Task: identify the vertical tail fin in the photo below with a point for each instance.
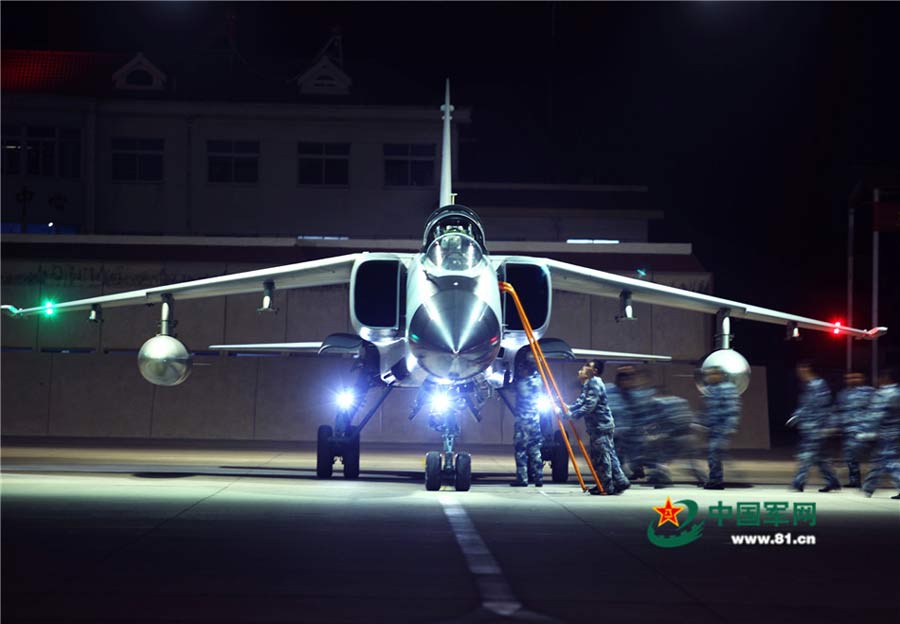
(446, 175)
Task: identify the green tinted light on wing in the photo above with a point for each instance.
(48, 308)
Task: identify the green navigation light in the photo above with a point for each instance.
(48, 308)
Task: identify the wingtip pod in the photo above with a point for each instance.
(11, 310)
(876, 332)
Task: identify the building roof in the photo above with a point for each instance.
(214, 74)
(59, 72)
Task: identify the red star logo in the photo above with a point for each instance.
(668, 513)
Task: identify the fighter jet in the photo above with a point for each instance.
(434, 319)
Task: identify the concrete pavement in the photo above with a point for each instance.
(202, 534)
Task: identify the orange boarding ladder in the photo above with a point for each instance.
(547, 377)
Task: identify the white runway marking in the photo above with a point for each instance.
(496, 595)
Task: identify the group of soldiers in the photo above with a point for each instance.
(628, 423)
(631, 423)
(863, 417)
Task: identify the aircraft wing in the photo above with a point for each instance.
(325, 272)
(574, 278)
(271, 347)
(618, 356)
(334, 344)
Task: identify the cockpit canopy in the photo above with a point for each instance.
(454, 251)
(453, 219)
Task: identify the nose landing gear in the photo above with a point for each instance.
(447, 466)
(456, 469)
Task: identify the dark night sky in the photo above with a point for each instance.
(751, 123)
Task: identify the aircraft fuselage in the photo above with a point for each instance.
(453, 308)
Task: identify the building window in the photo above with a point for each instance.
(324, 81)
(323, 163)
(42, 151)
(139, 78)
(69, 152)
(137, 160)
(12, 150)
(409, 165)
(233, 161)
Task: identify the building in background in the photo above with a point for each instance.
(124, 171)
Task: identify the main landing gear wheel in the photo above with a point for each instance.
(559, 464)
(351, 454)
(463, 472)
(432, 471)
(324, 453)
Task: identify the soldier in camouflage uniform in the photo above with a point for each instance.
(851, 418)
(672, 436)
(885, 408)
(644, 412)
(598, 420)
(811, 418)
(722, 411)
(657, 443)
(619, 404)
(527, 436)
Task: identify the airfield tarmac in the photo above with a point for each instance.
(127, 534)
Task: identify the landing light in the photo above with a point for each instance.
(544, 403)
(345, 399)
(440, 402)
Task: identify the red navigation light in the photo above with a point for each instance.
(837, 328)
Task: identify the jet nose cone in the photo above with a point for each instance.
(454, 335)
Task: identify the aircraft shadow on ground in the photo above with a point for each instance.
(380, 476)
(307, 474)
(162, 475)
(301, 474)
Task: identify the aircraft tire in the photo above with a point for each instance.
(463, 472)
(324, 453)
(351, 456)
(432, 471)
(559, 465)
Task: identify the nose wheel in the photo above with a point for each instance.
(433, 471)
(440, 469)
(463, 472)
